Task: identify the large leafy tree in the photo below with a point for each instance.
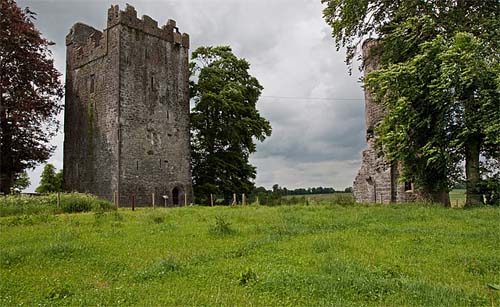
(30, 93)
(225, 122)
(438, 82)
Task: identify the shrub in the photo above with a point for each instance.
(247, 277)
(221, 227)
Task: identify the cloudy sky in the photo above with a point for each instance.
(315, 107)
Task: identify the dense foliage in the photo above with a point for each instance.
(439, 84)
(30, 93)
(225, 123)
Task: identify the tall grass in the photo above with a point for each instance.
(302, 255)
(49, 204)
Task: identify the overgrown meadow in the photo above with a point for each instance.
(301, 255)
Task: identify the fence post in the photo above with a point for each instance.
(58, 199)
(117, 199)
(243, 199)
(185, 200)
(211, 200)
(153, 199)
(234, 200)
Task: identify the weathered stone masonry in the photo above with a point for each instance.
(127, 110)
(377, 180)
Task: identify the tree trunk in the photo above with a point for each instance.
(474, 197)
(6, 173)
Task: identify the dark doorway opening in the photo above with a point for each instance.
(175, 196)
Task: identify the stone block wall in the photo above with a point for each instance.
(127, 110)
(377, 180)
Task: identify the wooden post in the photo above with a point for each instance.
(211, 200)
(153, 200)
(243, 199)
(257, 200)
(58, 199)
(234, 200)
(185, 199)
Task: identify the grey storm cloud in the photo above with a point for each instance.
(315, 141)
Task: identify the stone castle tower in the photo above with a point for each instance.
(377, 180)
(127, 110)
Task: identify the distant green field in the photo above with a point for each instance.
(457, 197)
(314, 255)
(323, 197)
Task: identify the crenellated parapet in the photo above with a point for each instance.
(87, 44)
(128, 17)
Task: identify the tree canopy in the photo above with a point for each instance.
(225, 122)
(438, 82)
(30, 93)
(50, 181)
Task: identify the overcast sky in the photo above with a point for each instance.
(315, 107)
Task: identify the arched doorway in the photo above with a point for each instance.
(175, 196)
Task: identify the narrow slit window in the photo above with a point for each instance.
(92, 83)
(160, 163)
(137, 164)
(152, 83)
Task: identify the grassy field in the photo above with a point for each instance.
(317, 255)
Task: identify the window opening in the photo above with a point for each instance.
(92, 83)
(175, 196)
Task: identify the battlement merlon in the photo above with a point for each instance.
(169, 32)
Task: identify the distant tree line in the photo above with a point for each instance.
(306, 191)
